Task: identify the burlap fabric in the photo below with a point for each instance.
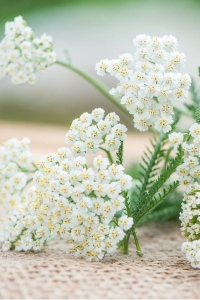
(162, 273)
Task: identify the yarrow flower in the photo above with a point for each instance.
(89, 132)
(188, 174)
(72, 202)
(22, 55)
(192, 251)
(190, 215)
(189, 171)
(150, 81)
(15, 160)
(190, 225)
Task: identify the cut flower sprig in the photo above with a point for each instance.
(70, 200)
(89, 208)
(150, 81)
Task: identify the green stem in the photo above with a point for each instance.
(96, 83)
(167, 156)
(103, 89)
(36, 168)
(128, 233)
(139, 250)
(27, 170)
(126, 242)
(182, 112)
(111, 160)
(28, 181)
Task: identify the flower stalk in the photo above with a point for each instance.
(109, 155)
(96, 83)
(139, 250)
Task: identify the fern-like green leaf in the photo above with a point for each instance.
(197, 115)
(163, 214)
(151, 159)
(119, 154)
(156, 193)
(167, 210)
(147, 204)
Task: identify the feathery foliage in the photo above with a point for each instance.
(197, 115)
(152, 163)
(156, 193)
(169, 209)
(119, 154)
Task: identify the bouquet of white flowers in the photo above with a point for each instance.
(96, 208)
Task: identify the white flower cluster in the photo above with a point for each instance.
(189, 175)
(190, 215)
(22, 55)
(75, 203)
(190, 225)
(192, 251)
(189, 171)
(15, 159)
(89, 132)
(149, 81)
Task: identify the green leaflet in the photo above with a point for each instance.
(152, 164)
(156, 193)
(119, 154)
(169, 209)
(163, 214)
(197, 115)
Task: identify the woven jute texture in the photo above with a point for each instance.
(162, 273)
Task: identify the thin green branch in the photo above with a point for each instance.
(101, 87)
(28, 181)
(96, 83)
(183, 112)
(126, 242)
(36, 168)
(139, 250)
(27, 170)
(167, 156)
(168, 212)
(111, 160)
(128, 233)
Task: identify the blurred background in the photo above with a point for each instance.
(90, 30)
